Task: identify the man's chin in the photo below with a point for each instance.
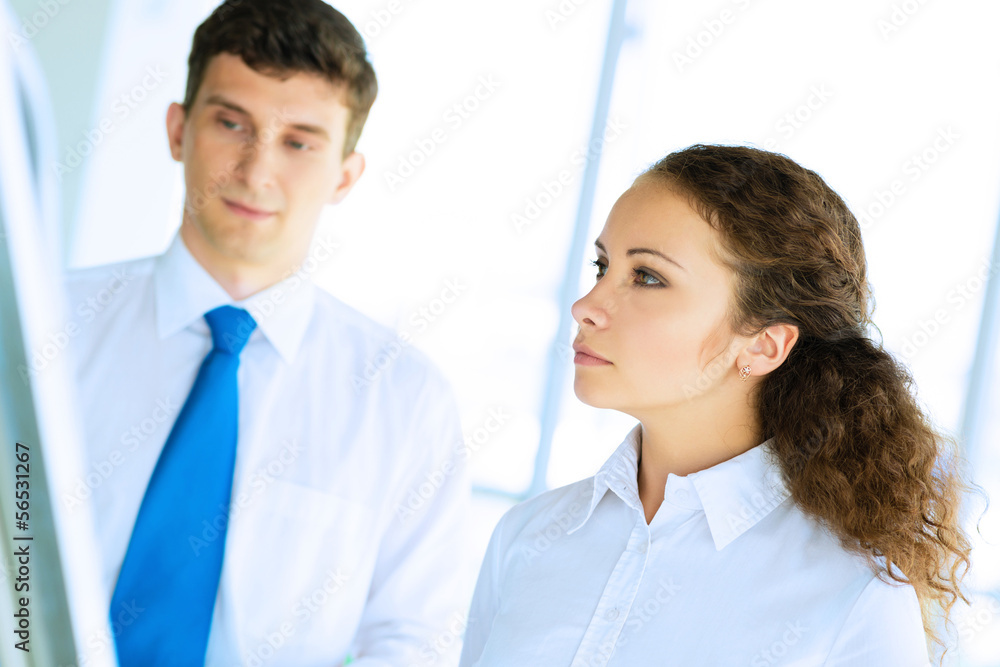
(247, 254)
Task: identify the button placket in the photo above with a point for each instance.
(616, 601)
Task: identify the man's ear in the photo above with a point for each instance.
(351, 169)
(175, 130)
(769, 349)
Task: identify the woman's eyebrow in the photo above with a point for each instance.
(644, 251)
(650, 251)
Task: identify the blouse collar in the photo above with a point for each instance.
(734, 495)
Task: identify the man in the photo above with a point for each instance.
(270, 498)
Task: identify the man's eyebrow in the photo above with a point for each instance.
(644, 251)
(302, 127)
(223, 102)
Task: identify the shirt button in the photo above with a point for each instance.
(681, 493)
(612, 614)
(643, 547)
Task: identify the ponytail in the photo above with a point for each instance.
(868, 465)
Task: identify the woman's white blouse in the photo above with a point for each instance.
(729, 572)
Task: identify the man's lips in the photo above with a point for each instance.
(587, 357)
(247, 211)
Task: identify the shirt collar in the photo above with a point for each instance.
(184, 292)
(734, 495)
(738, 493)
(619, 474)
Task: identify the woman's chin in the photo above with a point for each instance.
(593, 395)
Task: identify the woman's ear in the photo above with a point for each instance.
(769, 349)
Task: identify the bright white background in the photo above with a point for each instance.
(854, 90)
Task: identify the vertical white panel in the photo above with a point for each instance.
(51, 584)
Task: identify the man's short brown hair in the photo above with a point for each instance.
(281, 38)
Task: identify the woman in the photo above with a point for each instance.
(783, 500)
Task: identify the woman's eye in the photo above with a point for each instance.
(601, 268)
(646, 279)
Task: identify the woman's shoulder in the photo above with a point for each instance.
(561, 509)
(883, 627)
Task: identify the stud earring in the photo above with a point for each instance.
(744, 373)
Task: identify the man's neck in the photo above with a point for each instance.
(237, 279)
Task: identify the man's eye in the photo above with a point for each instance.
(601, 268)
(229, 125)
(298, 145)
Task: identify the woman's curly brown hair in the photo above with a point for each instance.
(855, 448)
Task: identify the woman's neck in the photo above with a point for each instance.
(691, 437)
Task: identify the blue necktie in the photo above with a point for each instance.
(161, 610)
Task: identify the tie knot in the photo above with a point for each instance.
(231, 328)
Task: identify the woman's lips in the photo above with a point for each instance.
(587, 360)
(587, 357)
(246, 211)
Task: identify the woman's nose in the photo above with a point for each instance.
(591, 309)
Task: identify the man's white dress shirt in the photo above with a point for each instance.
(350, 489)
(728, 572)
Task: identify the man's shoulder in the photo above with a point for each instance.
(114, 274)
(379, 354)
(338, 313)
(107, 289)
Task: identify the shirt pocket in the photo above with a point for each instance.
(299, 563)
